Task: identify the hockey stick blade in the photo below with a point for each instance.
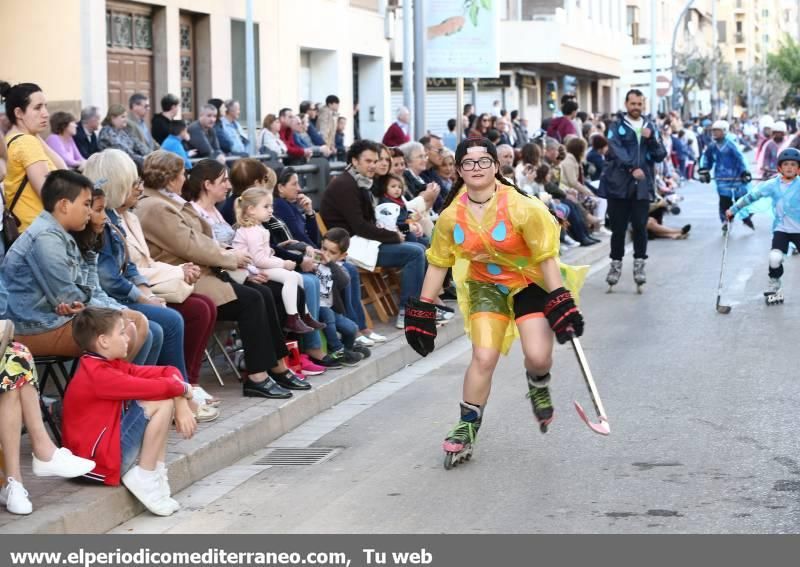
(723, 309)
(603, 427)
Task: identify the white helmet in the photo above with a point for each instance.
(720, 125)
(779, 126)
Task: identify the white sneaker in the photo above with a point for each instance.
(63, 464)
(603, 231)
(204, 398)
(146, 487)
(205, 413)
(375, 337)
(400, 323)
(163, 483)
(15, 498)
(364, 341)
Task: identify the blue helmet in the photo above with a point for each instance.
(789, 154)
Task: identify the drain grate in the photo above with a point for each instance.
(297, 456)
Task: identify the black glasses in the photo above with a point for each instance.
(470, 164)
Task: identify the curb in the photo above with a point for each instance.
(97, 509)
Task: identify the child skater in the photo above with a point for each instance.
(253, 208)
(784, 190)
(503, 248)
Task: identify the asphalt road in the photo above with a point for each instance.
(702, 408)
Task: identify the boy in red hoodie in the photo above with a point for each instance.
(115, 411)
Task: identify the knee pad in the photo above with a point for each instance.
(775, 258)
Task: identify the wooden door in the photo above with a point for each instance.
(129, 47)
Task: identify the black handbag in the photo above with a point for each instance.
(10, 221)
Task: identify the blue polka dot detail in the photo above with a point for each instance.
(494, 269)
(502, 288)
(499, 232)
(458, 234)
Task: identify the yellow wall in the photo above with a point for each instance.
(42, 48)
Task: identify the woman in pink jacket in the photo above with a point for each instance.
(253, 208)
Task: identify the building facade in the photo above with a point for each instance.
(99, 52)
(575, 45)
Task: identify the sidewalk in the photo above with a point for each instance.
(245, 425)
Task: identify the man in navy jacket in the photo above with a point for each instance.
(628, 182)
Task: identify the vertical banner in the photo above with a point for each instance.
(461, 38)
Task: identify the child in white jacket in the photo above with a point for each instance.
(253, 208)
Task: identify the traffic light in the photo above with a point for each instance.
(551, 95)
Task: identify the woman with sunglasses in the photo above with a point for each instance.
(503, 249)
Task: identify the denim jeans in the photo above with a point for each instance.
(337, 322)
(171, 323)
(151, 349)
(131, 435)
(352, 297)
(311, 287)
(410, 256)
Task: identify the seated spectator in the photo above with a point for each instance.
(573, 183)
(530, 157)
(114, 134)
(178, 134)
(89, 246)
(384, 165)
(233, 130)
(299, 125)
(333, 285)
(655, 223)
(446, 170)
(123, 188)
(597, 156)
(296, 154)
(202, 136)
(86, 133)
(19, 405)
(253, 209)
(138, 109)
(42, 272)
(398, 133)
(480, 126)
(29, 158)
(170, 110)
(308, 115)
(341, 127)
(505, 155)
(120, 413)
(245, 173)
(389, 191)
(328, 120)
(346, 203)
(433, 151)
(62, 139)
(416, 164)
(120, 277)
(269, 139)
(176, 234)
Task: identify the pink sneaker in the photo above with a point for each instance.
(309, 368)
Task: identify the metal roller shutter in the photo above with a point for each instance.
(440, 106)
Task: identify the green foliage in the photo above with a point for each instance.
(473, 8)
(785, 62)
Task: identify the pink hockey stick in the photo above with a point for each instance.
(602, 427)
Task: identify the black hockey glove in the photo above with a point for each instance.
(420, 325)
(746, 177)
(563, 315)
(704, 175)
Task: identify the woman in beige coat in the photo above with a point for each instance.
(176, 235)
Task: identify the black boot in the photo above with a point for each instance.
(290, 380)
(264, 389)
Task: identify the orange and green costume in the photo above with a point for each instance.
(495, 258)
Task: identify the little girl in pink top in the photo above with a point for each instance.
(253, 208)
